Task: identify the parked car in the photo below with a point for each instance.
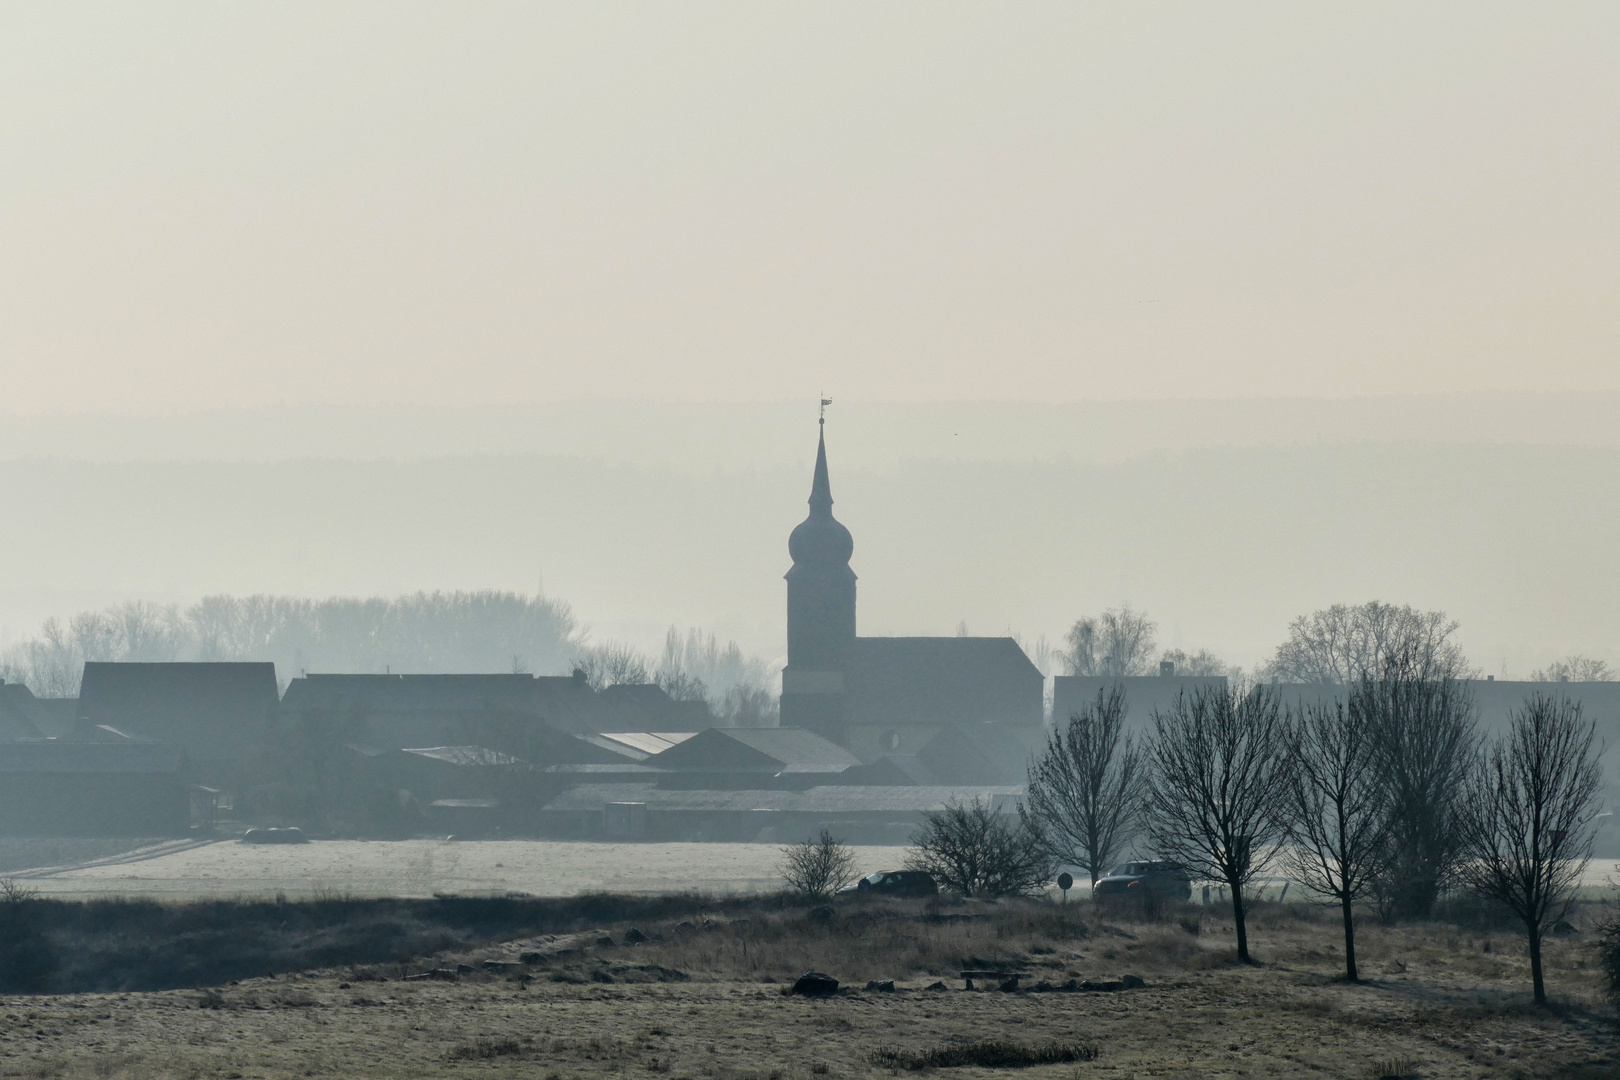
(1128, 881)
(895, 883)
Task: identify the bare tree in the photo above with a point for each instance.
(1529, 825)
(611, 664)
(1343, 644)
(1088, 791)
(1338, 809)
(1202, 663)
(1220, 787)
(1574, 668)
(1118, 642)
(972, 850)
(1423, 726)
(819, 867)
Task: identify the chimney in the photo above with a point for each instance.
(1167, 669)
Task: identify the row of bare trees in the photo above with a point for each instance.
(1382, 792)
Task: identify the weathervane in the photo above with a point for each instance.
(826, 401)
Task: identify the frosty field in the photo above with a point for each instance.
(421, 868)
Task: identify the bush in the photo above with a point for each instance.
(988, 1054)
(27, 957)
(972, 850)
(1608, 947)
(818, 867)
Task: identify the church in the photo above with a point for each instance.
(937, 698)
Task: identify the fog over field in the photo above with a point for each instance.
(1223, 519)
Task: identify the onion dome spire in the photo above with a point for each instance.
(821, 539)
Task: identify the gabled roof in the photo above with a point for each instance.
(214, 710)
(638, 745)
(943, 680)
(464, 755)
(766, 750)
(892, 770)
(565, 702)
(21, 716)
(111, 690)
(400, 693)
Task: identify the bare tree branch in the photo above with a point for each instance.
(1218, 804)
(1529, 825)
(1088, 791)
(1338, 809)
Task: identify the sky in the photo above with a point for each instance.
(1228, 311)
(213, 207)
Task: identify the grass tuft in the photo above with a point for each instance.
(485, 1050)
(988, 1054)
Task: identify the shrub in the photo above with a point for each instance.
(1608, 947)
(972, 850)
(988, 1054)
(818, 867)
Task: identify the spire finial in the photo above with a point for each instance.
(820, 489)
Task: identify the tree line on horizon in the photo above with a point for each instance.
(485, 631)
(1337, 645)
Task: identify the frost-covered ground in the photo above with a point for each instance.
(419, 868)
(409, 868)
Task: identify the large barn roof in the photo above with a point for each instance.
(772, 750)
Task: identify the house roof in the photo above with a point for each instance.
(825, 799)
(54, 756)
(464, 755)
(413, 693)
(563, 701)
(772, 750)
(638, 745)
(176, 687)
(214, 710)
(21, 716)
(952, 680)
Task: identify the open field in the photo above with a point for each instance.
(421, 868)
(703, 998)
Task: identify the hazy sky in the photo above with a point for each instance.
(216, 206)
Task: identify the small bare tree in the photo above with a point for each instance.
(818, 867)
(1088, 791)
(1219, 795)
(1338, 809)
(972, 850)
(1528, 828)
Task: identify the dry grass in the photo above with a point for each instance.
(705, 1001)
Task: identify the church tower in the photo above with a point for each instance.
(820, 613)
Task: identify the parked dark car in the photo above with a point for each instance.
(895, 883)
(1160, 880)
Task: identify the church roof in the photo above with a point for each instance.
(943, 680)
